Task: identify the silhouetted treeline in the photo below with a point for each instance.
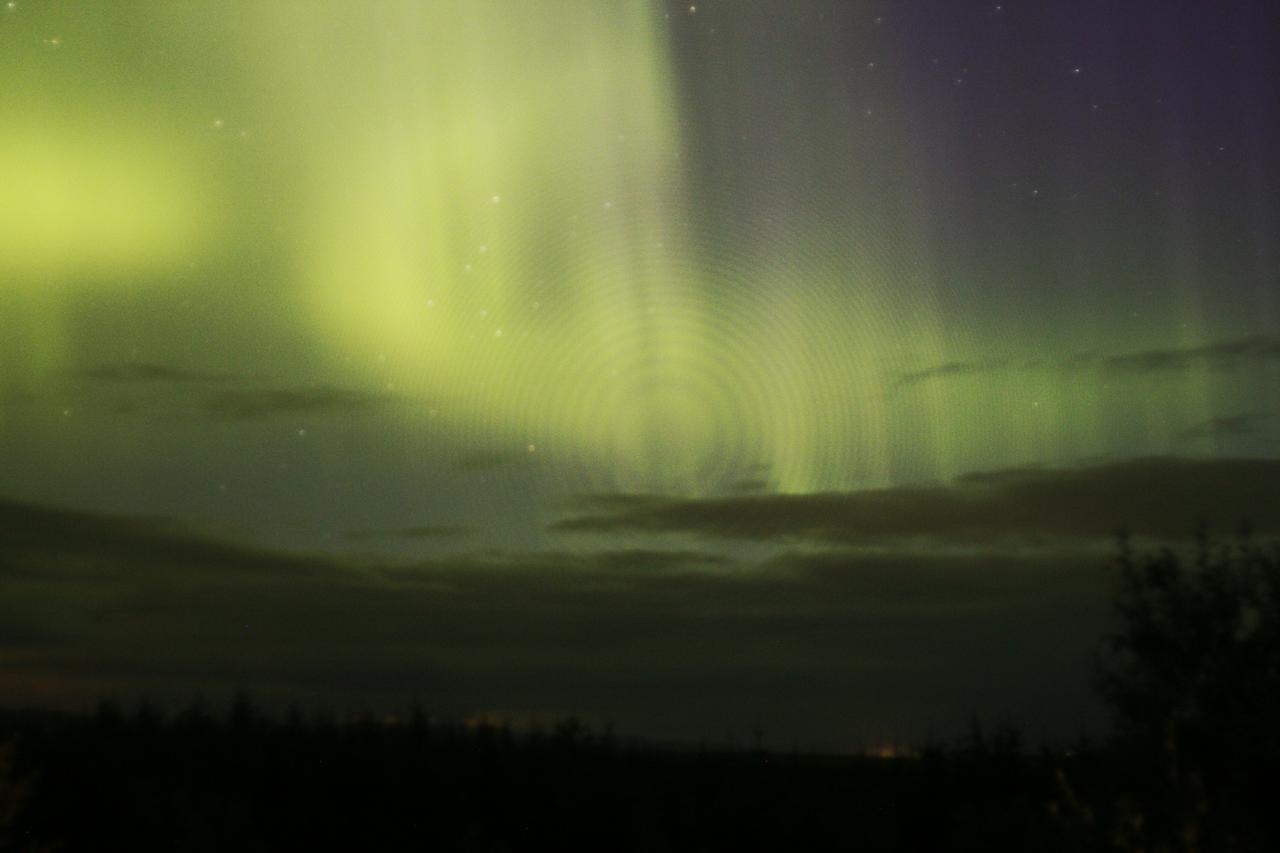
(245, 782)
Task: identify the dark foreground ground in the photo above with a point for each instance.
(139, 781)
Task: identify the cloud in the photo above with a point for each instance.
(949, 370)
(680, 643)
(426, 531)
(1231, 426)
(1223, 355)
(923, 579)
(1160, 496)
(238, 403)
(252, 404)
(83, 541)
(142, 372)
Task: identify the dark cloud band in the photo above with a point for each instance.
(1160, 496)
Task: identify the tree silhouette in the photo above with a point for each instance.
(1192, 676)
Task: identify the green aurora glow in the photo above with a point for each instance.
(297, 270)
(488, 207)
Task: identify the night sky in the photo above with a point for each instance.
(701, 368)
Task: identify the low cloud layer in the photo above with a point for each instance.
(950, 369)
(144, 372)
(1160, 496)
(1222, 355)
(892, 611)
(827, 648)
(426, 531)
(252, 404)
(1231, 426)
(228, 396)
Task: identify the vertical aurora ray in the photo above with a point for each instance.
(497, 211)
(496, 218)
(652, 253)
(485, 206)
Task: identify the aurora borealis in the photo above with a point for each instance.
(620, 357)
